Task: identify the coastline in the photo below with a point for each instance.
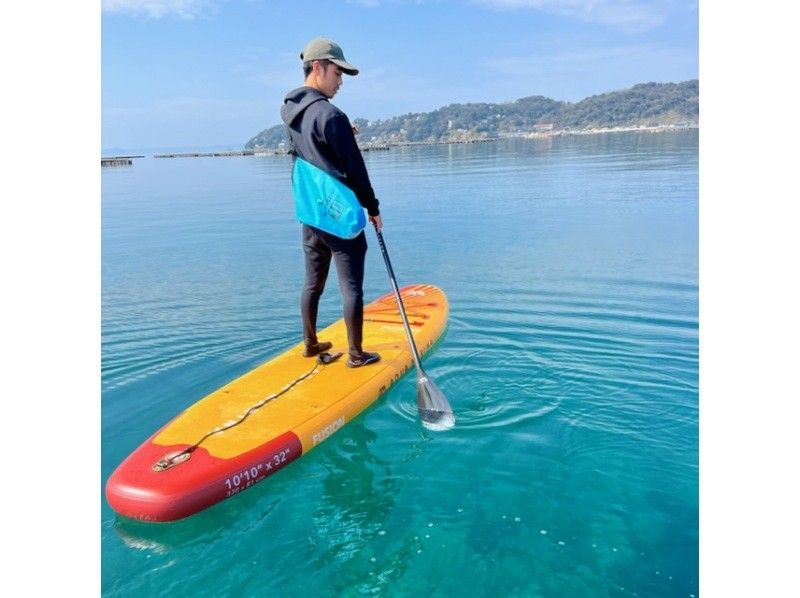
(468, 138)
(601, 130)
(457, 138)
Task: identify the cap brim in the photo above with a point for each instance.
(346, 67)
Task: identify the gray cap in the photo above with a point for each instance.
(321, 48)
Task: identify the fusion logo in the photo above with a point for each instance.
(325, 432)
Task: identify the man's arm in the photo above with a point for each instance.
(340, 136)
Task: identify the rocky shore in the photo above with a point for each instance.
(465, 137)
(596, 131)
(457, 138)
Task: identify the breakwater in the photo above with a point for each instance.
(118, 160)
(207, 154)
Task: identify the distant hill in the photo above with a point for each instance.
(648, 104)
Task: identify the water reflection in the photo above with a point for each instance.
(357, 496)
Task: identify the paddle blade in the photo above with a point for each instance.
(434, 410)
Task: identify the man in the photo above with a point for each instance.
(322, 135)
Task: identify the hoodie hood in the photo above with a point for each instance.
(296, 101)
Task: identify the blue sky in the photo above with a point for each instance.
(201, 73)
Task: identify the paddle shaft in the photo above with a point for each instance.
(390, 270)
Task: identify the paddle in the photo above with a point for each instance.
(434, 410)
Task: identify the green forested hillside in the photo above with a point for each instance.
(643, 104)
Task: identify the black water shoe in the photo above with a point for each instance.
(314, 350)
(364, 359)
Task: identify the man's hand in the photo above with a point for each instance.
(377, 222)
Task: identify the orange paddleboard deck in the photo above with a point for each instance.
(259, 423)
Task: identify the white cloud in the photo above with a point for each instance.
(280, 71)
(573, 73)
(376, 3)
(633, 14)
(574, 60)
(185, 9)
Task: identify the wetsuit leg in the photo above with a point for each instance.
(350, 255)
(318, 261)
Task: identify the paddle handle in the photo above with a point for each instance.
(390, 270)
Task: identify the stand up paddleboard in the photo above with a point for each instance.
(261, 422)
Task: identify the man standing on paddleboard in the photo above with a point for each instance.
(324, 145)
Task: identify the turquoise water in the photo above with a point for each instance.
(571, 361)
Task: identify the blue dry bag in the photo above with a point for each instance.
(326, 203)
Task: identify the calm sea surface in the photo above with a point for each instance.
(571, 361)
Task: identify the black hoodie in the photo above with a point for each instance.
(321, 134)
